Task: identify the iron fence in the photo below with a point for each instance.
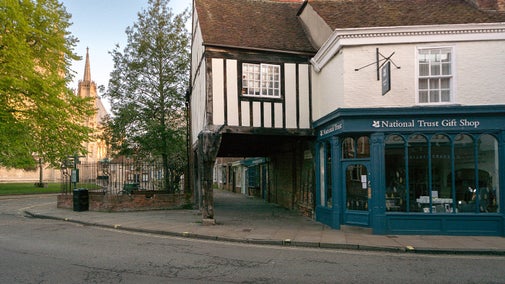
(115, 177)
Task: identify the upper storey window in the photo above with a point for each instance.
(435, 75)
(261, 80)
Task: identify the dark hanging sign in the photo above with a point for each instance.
(383, 70)
(386, 78)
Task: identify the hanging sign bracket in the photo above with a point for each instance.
(379, 62)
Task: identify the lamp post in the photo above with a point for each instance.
(75, 171)
(41, 173)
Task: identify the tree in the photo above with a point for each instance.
(39, 114)
(147, 90)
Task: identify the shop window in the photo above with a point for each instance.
(328, 176)
(348, 148)
(488, 162)
(464, 164)
(325, 171)
(442, 173)
(395, 173)
(322, 174)
(441, 161)
(418, 162)
(435, 75)
(363, 148)
(261, 80)
(356, 148)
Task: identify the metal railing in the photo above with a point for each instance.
(115, 177)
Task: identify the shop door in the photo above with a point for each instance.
(357, 193)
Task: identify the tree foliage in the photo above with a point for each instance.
(38, 113)
(147, 89)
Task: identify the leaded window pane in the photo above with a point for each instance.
(424, 69)
(423, 96)
(434, 96)
(262, 80)
(423, 84)
(446, 69)
(445, 96)
(435, 69)
(445, 83)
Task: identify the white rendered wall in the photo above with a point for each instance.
(217, 91)
(232, 92)
(290, 94)
(198, 113)
(304, 95)
(227, 108)
(361, 88)
(478, 76)
(480, 73)
(198, 91)
(328, 88)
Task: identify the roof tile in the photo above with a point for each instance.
(258, 24)
(378, 13)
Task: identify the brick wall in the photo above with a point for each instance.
(498, 5)
(124, 203)
(283, 176)
(286, 176)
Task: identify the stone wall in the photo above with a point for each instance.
(32, 176)
(123, 203)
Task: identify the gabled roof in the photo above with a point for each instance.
(253, 24)
(339, 14)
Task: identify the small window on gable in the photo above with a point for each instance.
(261, 80)
(435, 75)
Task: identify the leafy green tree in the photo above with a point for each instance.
(38, 113)
(147, 90)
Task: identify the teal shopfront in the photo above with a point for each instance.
(420, 170)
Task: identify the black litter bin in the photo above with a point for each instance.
(81, 199)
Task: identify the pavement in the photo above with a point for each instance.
(243, 219)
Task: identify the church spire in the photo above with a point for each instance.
(87, 72)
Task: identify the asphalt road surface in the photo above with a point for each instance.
(49, 251)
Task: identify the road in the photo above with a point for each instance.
(49, 251)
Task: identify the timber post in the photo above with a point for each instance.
(208, 147)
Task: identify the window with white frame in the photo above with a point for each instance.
(435, 75)
(261, 80)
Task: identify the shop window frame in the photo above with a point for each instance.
(325, 174)
(476, 138)
(356, 149)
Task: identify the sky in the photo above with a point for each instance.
(100, 25)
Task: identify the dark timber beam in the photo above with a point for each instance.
(208, 146)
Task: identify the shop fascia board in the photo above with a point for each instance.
(341, 38)
(432, 111)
